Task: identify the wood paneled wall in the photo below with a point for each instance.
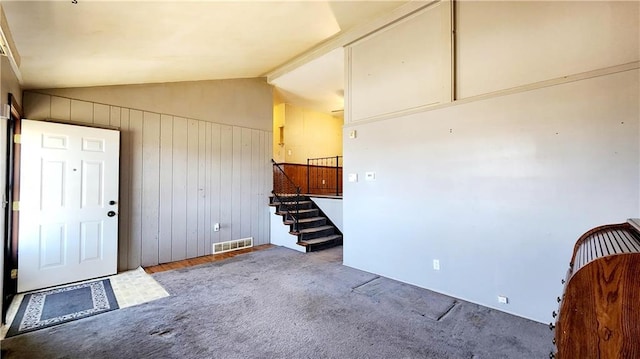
(298, 174)
(178, 177)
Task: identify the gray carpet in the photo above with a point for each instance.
(278, 303)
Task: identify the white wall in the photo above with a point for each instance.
(511, 43)
(421, 75)
(498, 188)
(179, 176)
(332, 207)
(280, 235)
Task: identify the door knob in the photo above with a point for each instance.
(111, 213)
(112, 202)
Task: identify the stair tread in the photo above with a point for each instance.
(292, 203)
(300, 210)
(306, 220)
(288, 196)
(304, 210)
(315, 229)
(330, 238)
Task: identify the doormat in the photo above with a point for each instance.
(60, 305)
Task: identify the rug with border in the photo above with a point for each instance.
(61, 305)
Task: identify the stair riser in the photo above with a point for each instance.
(313, 213)
(320, 222)
(292, 207)
(321, 246)
(274, 200)
(323, 233)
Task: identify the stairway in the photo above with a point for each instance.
(314, 230)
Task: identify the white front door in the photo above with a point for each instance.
(68, 228)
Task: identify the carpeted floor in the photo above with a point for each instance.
(278, 303)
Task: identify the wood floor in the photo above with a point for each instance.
(203, 259)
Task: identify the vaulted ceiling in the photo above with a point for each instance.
(95, 43)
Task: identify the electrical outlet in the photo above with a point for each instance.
(436, 264)
(503, 299)
(216, 227)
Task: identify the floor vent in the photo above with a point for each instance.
(232, 245)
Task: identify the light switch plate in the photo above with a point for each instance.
(353, 134)
(370, 176)
(353, 177)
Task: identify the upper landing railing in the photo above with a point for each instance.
(320, 176)
(324, 175)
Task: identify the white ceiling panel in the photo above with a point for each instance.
(96, 43)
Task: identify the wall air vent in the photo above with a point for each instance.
(232, 245)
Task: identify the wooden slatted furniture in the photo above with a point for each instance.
(599, 314)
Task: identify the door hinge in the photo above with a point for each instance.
(14, 273)
(17, 138)
(15, 206)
